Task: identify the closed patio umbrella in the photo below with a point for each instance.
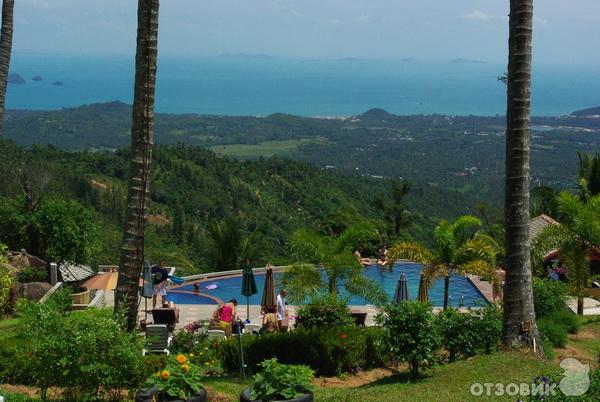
(269, 299)
(401, 293)
(248, 287)
(423, 290)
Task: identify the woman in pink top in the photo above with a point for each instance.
(227, 315)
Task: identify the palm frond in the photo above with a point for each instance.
(463, 228)
(480, 268)
(305, 245)
(411, 251)
(371, 291)
(553, 237)
(302, 281)
(433, 271)
(476, 249)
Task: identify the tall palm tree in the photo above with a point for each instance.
(519, 315)
(6, 35)
(132, 248)
(575, 238)
(458, 248)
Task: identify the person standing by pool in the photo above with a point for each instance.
(225, 315)
(159, 280)
(282, 313)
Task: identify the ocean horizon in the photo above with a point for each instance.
(259, 86)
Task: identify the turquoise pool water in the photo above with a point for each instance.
(229, 288)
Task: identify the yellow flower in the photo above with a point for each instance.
(165, 374)
(191, 355)
(185, 368)
(157, 374)
(181, 359)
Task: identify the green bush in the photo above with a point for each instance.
(281, 381)
(88, 352)
(324, 312)
(548, 296)
(328, 352)
(553, 332)
(488, 328)
(571, 322)
(411, 333)
(458, 333)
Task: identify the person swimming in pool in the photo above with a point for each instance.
(382, 256)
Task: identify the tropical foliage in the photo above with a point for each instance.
(180, 378)
(229, 247)
(589, 174)
(574, 238)
(458, 248)
(412, 335)
(334, 255)
(278, 381)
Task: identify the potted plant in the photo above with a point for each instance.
(280, 382)
(178, 381)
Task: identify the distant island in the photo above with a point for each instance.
(37, 78)
(467, 61)
(58, 83)
(15, 78)
(590, 112)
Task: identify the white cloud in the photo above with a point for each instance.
(478, 15)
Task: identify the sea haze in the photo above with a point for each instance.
(240, 85)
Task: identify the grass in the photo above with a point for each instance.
(586, 342)
(8, 328)
(450, 382)
(265, 149)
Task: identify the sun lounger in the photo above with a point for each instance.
(165, 316)
(158, 339)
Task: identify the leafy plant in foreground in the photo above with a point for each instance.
(278, 381)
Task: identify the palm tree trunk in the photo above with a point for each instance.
(132, 247)
(580, 305)
(5, 52)
(519, 315)
(446, 291)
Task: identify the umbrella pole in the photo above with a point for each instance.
(247, 309)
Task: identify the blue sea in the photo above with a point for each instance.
(261, 86)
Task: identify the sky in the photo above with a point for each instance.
(565, 31)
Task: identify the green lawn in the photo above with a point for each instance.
(265, 149)
(450, 382)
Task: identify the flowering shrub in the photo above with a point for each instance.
(202, 352)
(178, 379)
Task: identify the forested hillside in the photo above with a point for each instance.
(191, 186)
(463, 154)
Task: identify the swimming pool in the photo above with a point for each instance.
(229, 287)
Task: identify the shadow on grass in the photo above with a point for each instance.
(403, 377)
